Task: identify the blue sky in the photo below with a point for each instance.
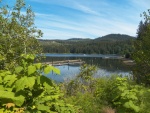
(64, 19)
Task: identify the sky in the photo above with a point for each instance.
(64, 19)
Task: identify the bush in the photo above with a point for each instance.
(26, 89)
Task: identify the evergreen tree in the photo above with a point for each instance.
(142, 51)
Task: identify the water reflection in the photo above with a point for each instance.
(106, 67)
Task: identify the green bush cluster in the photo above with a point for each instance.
(115, 93)
(27, 89)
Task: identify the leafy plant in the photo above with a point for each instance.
(79, 91)
(27, 89)
(24, 86)
(83, 82)
(126, 96)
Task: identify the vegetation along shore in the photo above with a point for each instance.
(25, 88)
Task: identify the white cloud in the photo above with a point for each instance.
(97, 19)
(141, 4)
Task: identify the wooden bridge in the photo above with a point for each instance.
(65, 62)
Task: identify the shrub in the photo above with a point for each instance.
(27, 89)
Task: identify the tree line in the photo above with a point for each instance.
(109, 44)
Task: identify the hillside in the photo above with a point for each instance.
(109, 44)
(115, 37)
(79, 39)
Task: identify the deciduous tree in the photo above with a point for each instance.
(17, 33)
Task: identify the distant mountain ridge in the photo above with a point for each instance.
(109, 37)
(109, 44)
(78, 39)
(115, 37)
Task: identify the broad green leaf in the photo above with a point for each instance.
(31, 56)
(2, 110)
(131, 105)
(4, 73)
(19, 100)
(38, 80)
(18, 69)
(10, 79)
(47, 86)
(125, 92)
(126, 105)
(42, 107)
(2, 87)
(25, 82)
(51, 68)
(8, 89)
(50, 98)
(42, 79)
(133, 97)
(38, 65)
(6, 94)
(134, 107)
(122, 88)
(31, 69)
(1, 80)
(47, 69)
(56, 70)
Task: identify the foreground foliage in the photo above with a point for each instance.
(109, 94)
(24, 86)
(26, 89)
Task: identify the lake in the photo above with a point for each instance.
(106, 64)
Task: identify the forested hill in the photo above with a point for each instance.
(79, 39)
(115, 37)
(109, 44)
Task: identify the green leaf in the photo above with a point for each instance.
(2, 110)
(133, 97)
(126, 105)
(1, 80)
(47, 69)
(18, 69)
(56, 70)
(6, 94)
(42, 79)
(31, 56)
(31, 69)
(18, 100)
(9, 79)
(4, 73)
(49, 98)
(25, 82)
(38, 65)
(1, 87)
(42, 107)
(131, 105)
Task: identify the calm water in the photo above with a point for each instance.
(107, 65)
